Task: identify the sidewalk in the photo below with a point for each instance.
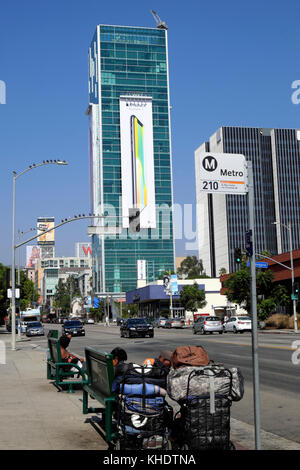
(34, 415)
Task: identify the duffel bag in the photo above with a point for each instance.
(189, 356)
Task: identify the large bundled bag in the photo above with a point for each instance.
(189, 356)
(187, 382)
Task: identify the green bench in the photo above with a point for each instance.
(100, 371)
(58, 370)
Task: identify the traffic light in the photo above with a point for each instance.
(134, 220)
(296, 289)
(238, 255)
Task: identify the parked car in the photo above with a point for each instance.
(208, 325)
(136, 327)
(159, 322)
(90, 321)
(35, 328)
(238, 324)
(174, 323)
(73, 327)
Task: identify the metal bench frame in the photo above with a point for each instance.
(100, 371)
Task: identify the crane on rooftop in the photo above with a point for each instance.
(160, 24)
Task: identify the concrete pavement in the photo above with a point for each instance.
(34, 415)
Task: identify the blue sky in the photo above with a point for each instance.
(231, 63)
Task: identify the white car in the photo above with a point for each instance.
(91, 320)
(238, 324)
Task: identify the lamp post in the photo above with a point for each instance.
(13, 274)
(289, 229)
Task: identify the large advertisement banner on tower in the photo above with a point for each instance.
(137, 161)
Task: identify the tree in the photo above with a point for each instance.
(265, 308)
(192, 298)
(191, 268)
(222, 271)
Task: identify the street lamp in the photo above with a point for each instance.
(13, 274)
(289, 228)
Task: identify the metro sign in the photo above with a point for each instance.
(223, 173)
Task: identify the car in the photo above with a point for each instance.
(73, 327)
(90, 321)
(209, 324)
(35, 328)
(159, 322)
(136, 327)
(238, 324)
(174, 323)
(119, 321)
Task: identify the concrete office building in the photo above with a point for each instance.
(222, 220)
(130, 153)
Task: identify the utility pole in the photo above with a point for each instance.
(120, 300)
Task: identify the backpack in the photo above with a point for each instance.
(189, 356)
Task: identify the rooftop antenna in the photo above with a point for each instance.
(160, 24)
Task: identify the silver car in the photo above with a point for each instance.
(35, 328)
(238, 324)
(208, 325)
(174, 323)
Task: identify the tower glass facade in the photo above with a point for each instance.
(128, 61)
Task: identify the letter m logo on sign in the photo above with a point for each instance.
(209, 163)
(87, 250)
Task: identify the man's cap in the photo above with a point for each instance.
(166, 354)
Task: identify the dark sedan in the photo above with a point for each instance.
(136, 327)
(73, 327)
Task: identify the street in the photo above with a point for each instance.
(279, 377)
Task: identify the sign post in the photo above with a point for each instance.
(232, 174)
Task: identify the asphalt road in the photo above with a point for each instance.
(279, 377)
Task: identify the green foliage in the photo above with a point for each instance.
(238, 291)
(64, 292)
(191, 268)
(265, 308)
(192, 298)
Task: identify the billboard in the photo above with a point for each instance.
(45, 223)
(141, 270)
(137, 161)
(32, 255)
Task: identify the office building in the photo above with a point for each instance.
(130, 154)
(222, 220)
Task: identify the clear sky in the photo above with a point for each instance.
(231, 63)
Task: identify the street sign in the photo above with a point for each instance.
(174, 284)
(17, 293)
(249, 244)
(259, 264)
(222, 173)
(294, 297)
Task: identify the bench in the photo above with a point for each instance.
(57, 369)
(100, 371)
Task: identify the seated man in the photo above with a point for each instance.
(66, 356)
(119, 358)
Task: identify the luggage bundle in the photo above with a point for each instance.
(205, 390)
(142, 409)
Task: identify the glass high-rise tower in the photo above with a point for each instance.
(130, 154)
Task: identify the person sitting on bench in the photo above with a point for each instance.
(66, 356)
